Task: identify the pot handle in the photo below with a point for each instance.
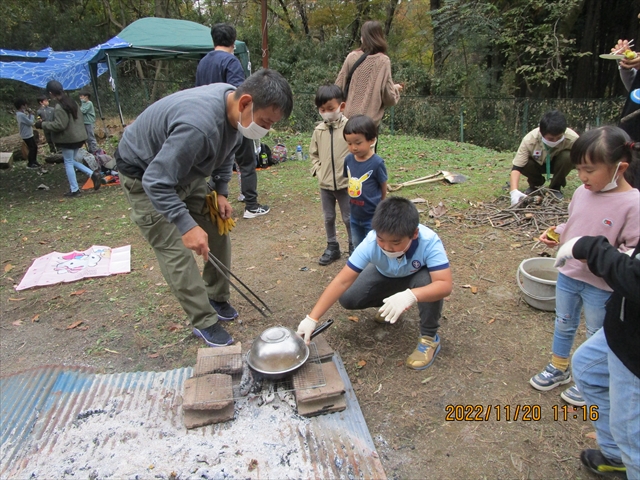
(322, 327)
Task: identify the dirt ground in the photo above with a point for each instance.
(492, 341)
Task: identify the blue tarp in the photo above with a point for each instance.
(71, 68)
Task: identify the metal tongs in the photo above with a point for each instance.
(226, 272)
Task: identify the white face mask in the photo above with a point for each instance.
(614, 181)
(253, 131)
(396, 254)
(552, 144)
(331, 116)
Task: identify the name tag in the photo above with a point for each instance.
(537, 154)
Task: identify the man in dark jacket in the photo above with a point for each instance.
(164, 158)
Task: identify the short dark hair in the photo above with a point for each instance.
(84, 93)
(268, 88)
(361, 124)
(553, 122)
(41, 98)
(19, 102)
(223, 35)
(327, 93)
(396, 216)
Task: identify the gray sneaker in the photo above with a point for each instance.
(573, 396)
(550, 378)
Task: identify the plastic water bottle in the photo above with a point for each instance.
(299, 152)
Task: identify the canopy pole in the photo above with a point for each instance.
(114, 85)
(93, 74)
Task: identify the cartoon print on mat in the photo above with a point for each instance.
(75, 262)
(355, 184)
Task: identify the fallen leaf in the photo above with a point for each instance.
(17, 323)
(491, 321)
(78, 292)
(591, 435)
(516, 245)
(16, 299)
(174, 327)
(465, 286)
(418, 200)
(153, 355)
(362, 363)
(353, 318)
(42, 242)
(253, 464)
(437, 223)
(251, 268)
(111, 351)
(414, 394)
(380, 360)
(86, 327)
(35, 318)
(399, 363)
(474, 290)
(24, 239)
(74, 325)
(8, 267)
(427, 380)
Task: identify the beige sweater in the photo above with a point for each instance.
(371, 89)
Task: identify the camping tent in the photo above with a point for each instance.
(145, 39)
(154, 38)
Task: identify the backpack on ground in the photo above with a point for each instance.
(264, 159)
(279, 154)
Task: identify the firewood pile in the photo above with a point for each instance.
(537, 211)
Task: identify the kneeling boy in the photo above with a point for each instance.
(399, 263)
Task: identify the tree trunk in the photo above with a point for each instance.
(391, 10)
(303, 16)
(437, 48)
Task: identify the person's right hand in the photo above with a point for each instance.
(516, 195)
(306, 328)
(197, 240)
(399, 87)
(546, 240)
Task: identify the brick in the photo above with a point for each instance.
(323, 406)
(334, 385)
(208, 392)
(200, 418)
(325, 352)
(219, 360)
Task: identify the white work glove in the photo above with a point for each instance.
(396, 304)
(516, 195)
(565, 252)
(306, 328)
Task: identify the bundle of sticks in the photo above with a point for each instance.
(537, 211)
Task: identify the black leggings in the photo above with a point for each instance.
(33, 150)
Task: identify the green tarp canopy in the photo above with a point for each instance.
(154, 38)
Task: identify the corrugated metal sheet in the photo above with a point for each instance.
(39, 407)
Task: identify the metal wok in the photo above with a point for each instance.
(279, 351)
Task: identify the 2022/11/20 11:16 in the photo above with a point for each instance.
(562, 413)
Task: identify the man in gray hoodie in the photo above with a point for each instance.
(164, 158)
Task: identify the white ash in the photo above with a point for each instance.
(268, 441)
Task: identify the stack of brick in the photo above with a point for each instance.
(320, 400)
(208, 395)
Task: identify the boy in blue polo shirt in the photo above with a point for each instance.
(399, 263)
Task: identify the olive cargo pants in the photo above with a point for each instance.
(177, 262)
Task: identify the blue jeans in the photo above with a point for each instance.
(69, 156)
(359, 230)
(605, 381)
(572, 296)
